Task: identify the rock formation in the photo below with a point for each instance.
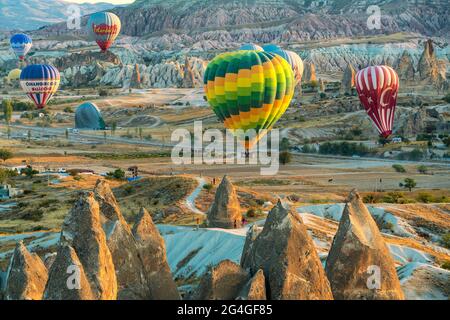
(222, 282)
(67, 279)
(225, 211)
(152, 252)
(405, 67)
(255, 289)
(135, 81)
(129, 269)
(286, 254)
(26, 277)
(82, 230)
(348, 80)
(359, 265)
(309, 74)
(432, 70)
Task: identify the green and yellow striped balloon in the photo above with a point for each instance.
(249, 89)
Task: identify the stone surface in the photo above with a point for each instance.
(225, 211)
(255, 289)
(82, 230)
(286, 253)
(358, 250)
(222, 282)
(131, 281)
(152, 252)
(67, 279)
(405, 67)
(348, 80)
(26, 277)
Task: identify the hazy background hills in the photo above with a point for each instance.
(33, 14)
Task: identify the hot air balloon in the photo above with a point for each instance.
(21, 44)
(104, 27)
(40, 82)
(14, 75)
(249, 89)
(377, 88)
(88, 116)
(251, 46)
(291, 57)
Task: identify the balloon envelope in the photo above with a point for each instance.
(88, 116)
(249, 89)
(291, 57)
(14, 74)
(251, 46)
(377, 88)
(40, 82)
(103, 28)
(21, 44)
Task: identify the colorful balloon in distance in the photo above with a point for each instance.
(21, 45)
(249, 90)
(377, 88)
(103, 28)
(40, 82)
(88, 116)
(297, 65)
(251, 46)
(14, 75)
(291, 57)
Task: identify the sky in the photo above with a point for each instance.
(96, 1)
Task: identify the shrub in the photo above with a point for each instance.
(33, 215)
(129, 189)
(208, 186)
(369, 198)
(446, 240)
(425, 197)
(398, 168)
(285, 157)
(103, 93)
(422, 169)
(117, 174)
(251, 213)
(446, 265)
(68, 110)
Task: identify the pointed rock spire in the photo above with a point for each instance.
(359, 265)
(109, 208)
(82, 230)
(152, 252)
(348, 80)
(225, 211)
(122, 245)
(255, 289)
(27, 275)
(67, 279)
(286, 253)
(222, 282)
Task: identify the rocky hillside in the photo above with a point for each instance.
(33, 14)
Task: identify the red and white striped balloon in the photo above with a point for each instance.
(377, 88)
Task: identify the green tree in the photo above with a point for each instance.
(5, 154)
(422, 169)
(285, 144)
(113, 128)
(117, 174)
(7, 110)
(398, 168)
(285, 157)
(408, 183)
